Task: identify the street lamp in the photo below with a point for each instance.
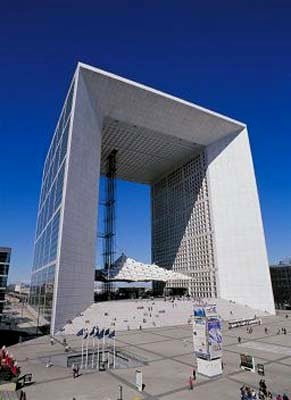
(120, 393)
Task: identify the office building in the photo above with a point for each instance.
(5, 253)
(206, 219)
(281, 283)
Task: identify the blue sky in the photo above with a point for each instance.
(231, 56)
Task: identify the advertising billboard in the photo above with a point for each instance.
(247, 362)
(214, 333)
(208, 310)
(199, 311)
(200, 338)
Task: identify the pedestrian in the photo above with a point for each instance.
(279, 397)
(263, 386)
(248, 393)
(269, 395)
(285, 397)
(266, 330)
(285, 331)
(194, 374)
(74, 369)
(52, 341)
(190, 383)
(279, 331)
(239, 340)
(261, 395)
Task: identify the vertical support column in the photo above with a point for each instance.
(241, 259)
(74, 284)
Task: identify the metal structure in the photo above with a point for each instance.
(109, 219)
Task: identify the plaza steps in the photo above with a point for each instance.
(122, 315)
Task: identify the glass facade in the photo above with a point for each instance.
(5, 253)
(48, 218)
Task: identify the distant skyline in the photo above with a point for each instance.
(230, 57)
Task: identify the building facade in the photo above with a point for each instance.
(206, 219)
(5, 254)
(182, 235)
(281, 283)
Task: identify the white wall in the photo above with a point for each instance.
(74, 286)
(243, 272)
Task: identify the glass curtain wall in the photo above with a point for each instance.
(48, 218)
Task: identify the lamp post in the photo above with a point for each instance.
(120, 393)
(37, 321)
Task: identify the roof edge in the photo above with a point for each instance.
(158, 92)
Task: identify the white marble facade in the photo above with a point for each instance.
(157, 136)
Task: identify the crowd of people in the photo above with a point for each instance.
(248, 393)
(8, 365)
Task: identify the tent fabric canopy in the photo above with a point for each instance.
(129, 270)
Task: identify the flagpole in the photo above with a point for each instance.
(93, 351)
(97, 365)
(114, 352)
(87, 345)
(82, 357)
(103, 347)
(108, 353)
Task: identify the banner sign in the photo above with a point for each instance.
(205, 311)
(210, 310)
(138, 380)
(243, 322)
(199, 311)
(200, 338)
(214, 333)
(207, 332)
(247, 362)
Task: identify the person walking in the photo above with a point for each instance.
(190, 383)
(239, 340)
(194, 374)
(285, 397)
(74, 369)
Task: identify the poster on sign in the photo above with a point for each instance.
(200, 338)
(210, 310)
(199, 311)
(214, 333)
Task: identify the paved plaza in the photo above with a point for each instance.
(168, 355)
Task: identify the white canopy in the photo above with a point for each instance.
(128, 269)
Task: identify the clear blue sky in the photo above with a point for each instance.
(230, 56)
